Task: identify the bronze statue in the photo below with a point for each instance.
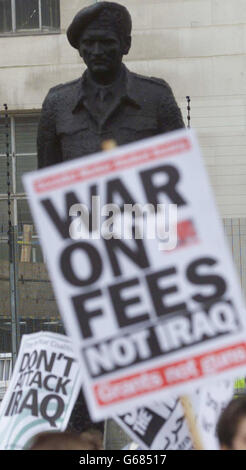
(108, 101)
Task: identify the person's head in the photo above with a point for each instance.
(102, 35)
(231, 427)
(65, 441)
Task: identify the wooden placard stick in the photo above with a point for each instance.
(27, 247)
(191, 421)
(108, 144)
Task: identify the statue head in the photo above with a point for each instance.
(102, 35)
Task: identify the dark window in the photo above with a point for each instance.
(20, 133)
(5, 146)
(5, 16)
(25, 147)
(29, 15)
(50, 14)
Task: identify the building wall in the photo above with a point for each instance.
(198, 46)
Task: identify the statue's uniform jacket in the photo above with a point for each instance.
(69, 128)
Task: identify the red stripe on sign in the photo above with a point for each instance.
(94, 170)
(219, 360)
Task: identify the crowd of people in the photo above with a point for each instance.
(81, 435)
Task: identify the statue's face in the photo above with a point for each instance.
(101, 50)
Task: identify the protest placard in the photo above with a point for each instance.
(42, 391)
(160, 426)
(213, 399)
(147, 314)
(163, 426)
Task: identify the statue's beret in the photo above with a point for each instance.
(108, 13)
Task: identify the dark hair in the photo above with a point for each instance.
(229, 420)
(80, 420)
(56, 441)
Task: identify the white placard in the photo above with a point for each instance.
(42, 391)
(144, 321)
(160, 426)
(213, 399)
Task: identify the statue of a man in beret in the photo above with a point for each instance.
(108, 101)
